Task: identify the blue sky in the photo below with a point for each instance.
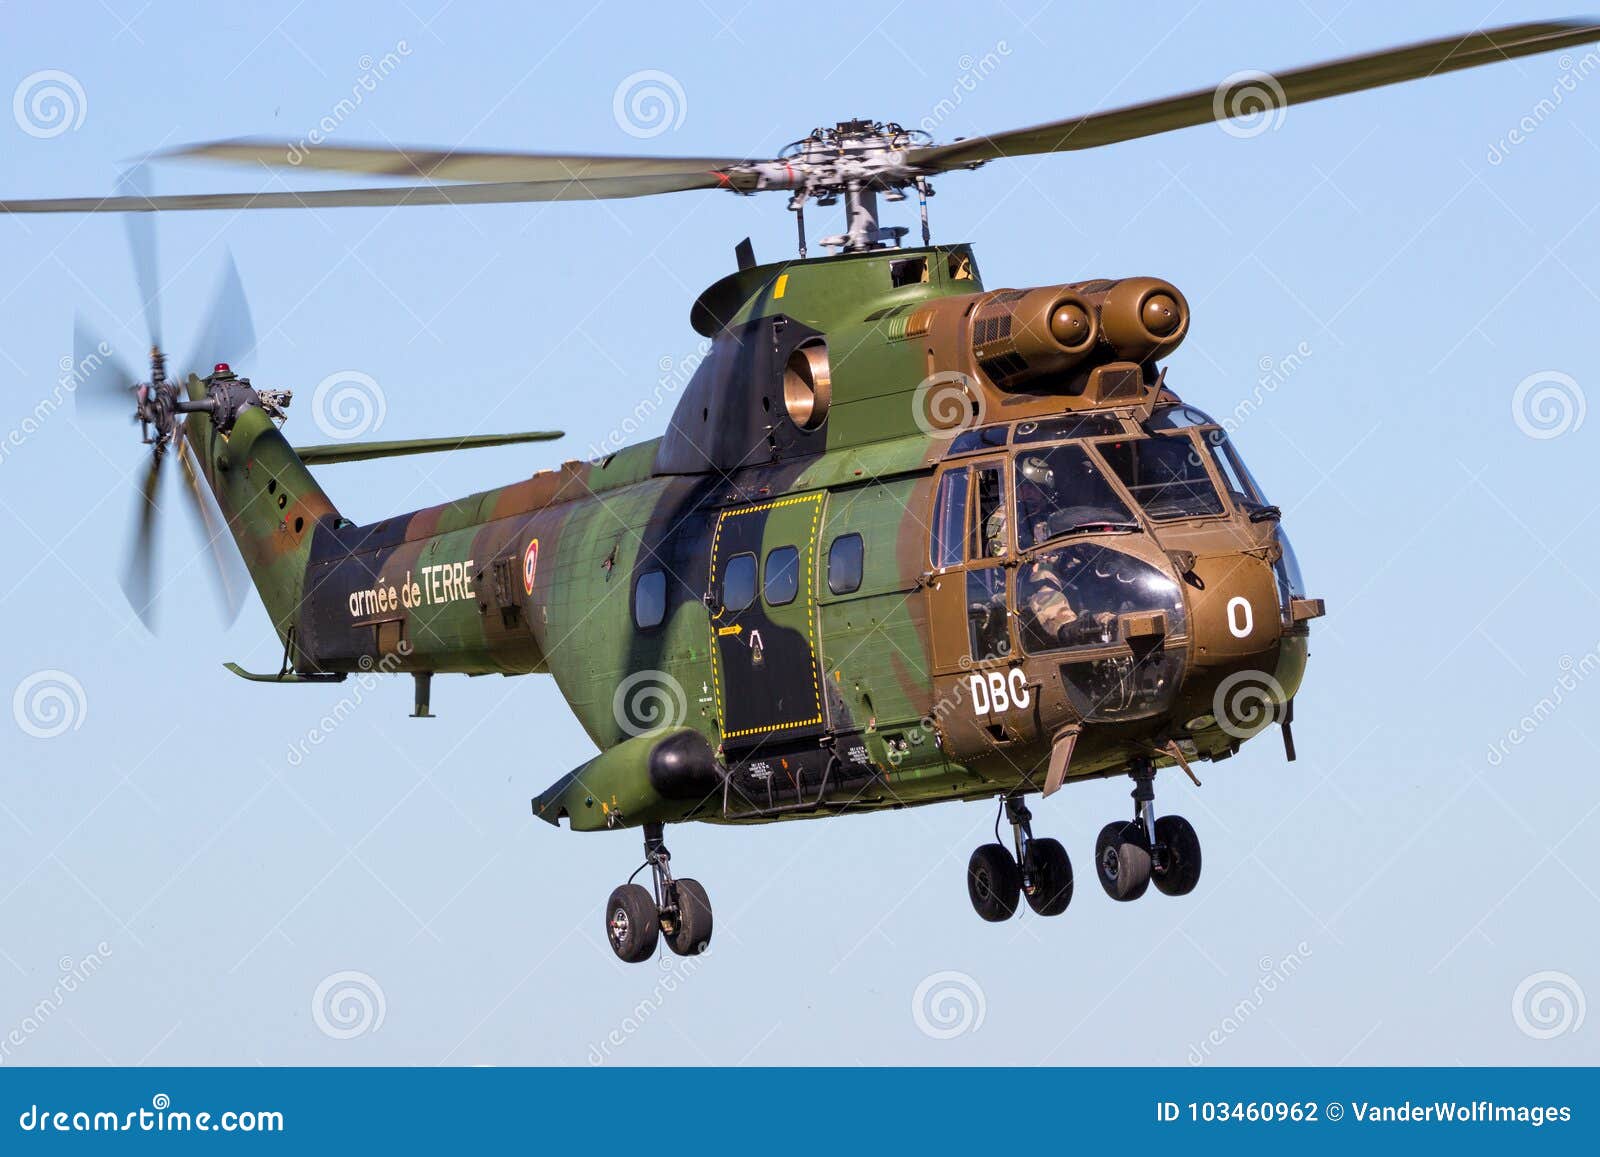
(1417, 263)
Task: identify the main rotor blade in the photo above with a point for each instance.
(448, 164)
(229, 332)
(233, 580)
(101, 379)
(142, 241)
(504, 192)
(1298, 86)
(138, 575)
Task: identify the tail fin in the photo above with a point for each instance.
(271, 502)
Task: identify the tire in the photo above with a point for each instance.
(1122, 860)
(691, 934)
(994, 883)
(633, 926)
(1051, 869)
(1179, 870)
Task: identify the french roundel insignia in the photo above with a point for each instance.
(530, 565)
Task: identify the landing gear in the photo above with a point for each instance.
(637, 917)
(1130, 854)
(1040, 871)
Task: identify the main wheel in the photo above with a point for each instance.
(1122, 860)
(1179, 868)
(632, 923)
(994, 883)
(691, 934)
(1051, 870)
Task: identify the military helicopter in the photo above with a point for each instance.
(908, 539)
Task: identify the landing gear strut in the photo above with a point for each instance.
(1039, 871)
(1130, 854)
(637, 917)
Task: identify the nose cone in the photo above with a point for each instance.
(1236, 616)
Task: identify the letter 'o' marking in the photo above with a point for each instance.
(1241, 617)
(530, 565)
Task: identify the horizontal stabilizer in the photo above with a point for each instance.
(362, 451)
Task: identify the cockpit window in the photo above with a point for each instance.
(1242, 488)
(1179, 417)
(1060, 492)
(1166, 475)
(1072, 426)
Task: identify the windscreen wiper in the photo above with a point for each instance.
(1266, 514)
(1099, 525)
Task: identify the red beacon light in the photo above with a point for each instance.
(221, 368)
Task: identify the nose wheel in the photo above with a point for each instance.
(1130, 855)
(638, 918)
(1038, 871)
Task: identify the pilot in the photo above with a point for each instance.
(1048, 606)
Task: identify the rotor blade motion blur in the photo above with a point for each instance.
(1295, 86)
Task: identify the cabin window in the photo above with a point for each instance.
(991, 527)
(650, 599)
(782, 581)
(739, 582)
(949, 521)
(908, 271)
(845, 558)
